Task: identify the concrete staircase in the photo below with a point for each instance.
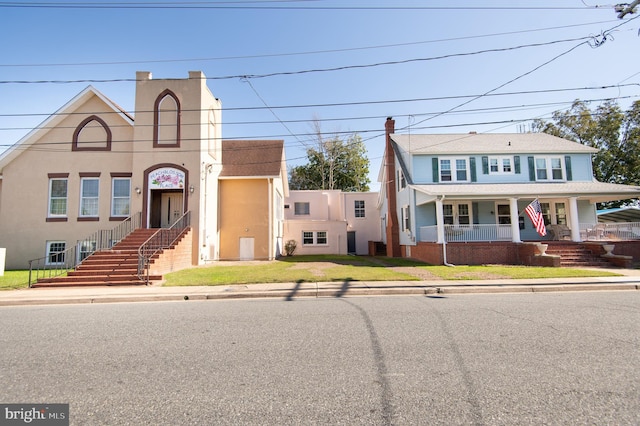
(117, 266)
(575, 255)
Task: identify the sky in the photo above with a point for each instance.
(448, 66)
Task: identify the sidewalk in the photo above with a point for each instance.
(289, 291)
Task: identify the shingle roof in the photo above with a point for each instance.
(488, 143)
(252, 158)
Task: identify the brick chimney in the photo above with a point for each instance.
(393, 229)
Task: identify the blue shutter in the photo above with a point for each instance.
(567, 166)
(516, 164)
(532, 169)
(485, 165)
(472, 165)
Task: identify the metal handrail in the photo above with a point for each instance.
(61, 262)
(160, 240)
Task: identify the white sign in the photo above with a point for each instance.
(166, 178)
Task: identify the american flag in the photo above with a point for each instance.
(534, 211)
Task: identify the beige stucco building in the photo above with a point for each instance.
(91, 165)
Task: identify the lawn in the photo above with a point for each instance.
(14, 279)
(327, 268)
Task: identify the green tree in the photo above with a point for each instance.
(615, 133)
(333, 164)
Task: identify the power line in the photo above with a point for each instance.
(313, 52)
(318, 70)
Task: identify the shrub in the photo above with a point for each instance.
(290, 247)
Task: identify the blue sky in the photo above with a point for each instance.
(454, 67)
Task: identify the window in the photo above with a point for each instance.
(500, 165)
(554, 213)
(402, 182)
(58, 197)
(85, 248)
(166, 129)
(89, 188)
(121, 196)
(561, 214)
(55, 252)
(504, 214)
(549, 168)
(314, 238)
(300, 209)
(459, 174)
(456, 214)
(406, 219)
(359, 208)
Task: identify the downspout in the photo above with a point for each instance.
(271, 252)
(444, 246)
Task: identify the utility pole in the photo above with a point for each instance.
(626, 8)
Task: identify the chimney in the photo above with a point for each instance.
(393, 229)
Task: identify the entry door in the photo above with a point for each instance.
(351, 242)
(171, 208)
(246, 248)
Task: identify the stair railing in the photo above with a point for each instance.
(162, 239)
(60, 262)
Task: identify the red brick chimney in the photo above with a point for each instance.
(393, 229)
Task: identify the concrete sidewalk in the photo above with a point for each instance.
(289, 291)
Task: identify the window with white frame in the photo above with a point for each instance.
(503, 214)
(121, 197)
(549, 168)
(359, 208)
(85, 248)
(58, 197)
(89, 195)
(402, 182)
(56, 252)
(500, 165)
(454, 170)
(301, 209)
(314, 238)
(406, 218)
(456, 214)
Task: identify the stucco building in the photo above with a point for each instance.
(92, 165)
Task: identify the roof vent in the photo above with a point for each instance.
(473, 133)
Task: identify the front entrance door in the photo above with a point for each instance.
(351, 242)
(167, 206)
(246, 248)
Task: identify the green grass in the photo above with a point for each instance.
(14, 279)
(324, 268)
(463, 272)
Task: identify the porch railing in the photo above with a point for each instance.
(466, 233)
(160, 240)
(60, 262)
(610, 231)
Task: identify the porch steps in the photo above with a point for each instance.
(115, 267)
(575, 255)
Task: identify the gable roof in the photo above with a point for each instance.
(252, 158)
(55, 118)
(488, 143)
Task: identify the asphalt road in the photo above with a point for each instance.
(560, 358)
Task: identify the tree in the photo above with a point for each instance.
(616, 135)
(333, 164)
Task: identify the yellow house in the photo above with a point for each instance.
(91, 165)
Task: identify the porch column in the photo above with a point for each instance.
(440, 221)
(574, 220)
(515, 225)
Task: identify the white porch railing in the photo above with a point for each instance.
(465, 233)
(610, 231)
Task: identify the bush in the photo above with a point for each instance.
(290, 247)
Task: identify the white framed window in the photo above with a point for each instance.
(549, 168)
(85, 248)
(120, 196)
(301, 209)
(314, 238)
(359, 210)
(58, 197)
(56, 252)
(454, 170)
(503, 214)
(89, 196)
(402, 182)
(500, 165)
(405, 218)
(457, 214)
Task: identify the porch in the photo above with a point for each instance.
(605, 232)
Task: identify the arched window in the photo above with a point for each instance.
(166, 120)
(92, 134)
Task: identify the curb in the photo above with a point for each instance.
(326, 293)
